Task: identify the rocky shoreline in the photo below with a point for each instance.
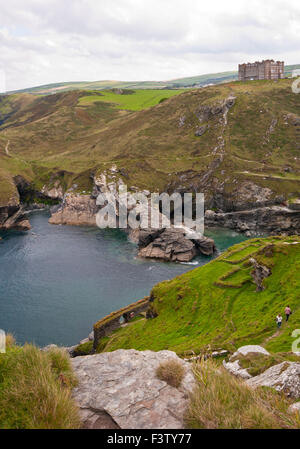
(167, 243)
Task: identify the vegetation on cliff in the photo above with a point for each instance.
(191, 141)
(35, 389)
(221, 401)
(219, 306)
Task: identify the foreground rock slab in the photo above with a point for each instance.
(283, 377)
(120, 390)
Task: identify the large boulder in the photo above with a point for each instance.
(172, 244)
(120, 390)
(234, 364)
(75, 210)
(283, 377)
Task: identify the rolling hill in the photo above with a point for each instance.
(200, 80)
(236, 142)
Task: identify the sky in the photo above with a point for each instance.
(49, 41)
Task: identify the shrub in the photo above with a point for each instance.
(83, 349)
(222, 401)
(171, 371)
(35, 390)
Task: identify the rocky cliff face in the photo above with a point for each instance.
(167, 243)
(270, 220)
(75, 210)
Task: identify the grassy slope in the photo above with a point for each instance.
(221, 401)
(217, 305)
(73, 132)
(215, 78)
(141, 99)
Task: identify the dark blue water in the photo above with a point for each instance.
(56, 281)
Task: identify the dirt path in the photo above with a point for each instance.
(6, 148)
(271, 337)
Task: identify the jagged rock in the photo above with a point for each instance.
(283, 377)
(272, 220)
(165, 243)
(205, 245)
(235, 369)
(259, 273)
(171, 244)
(75, 210)
(54, 192)
(122, 386)
(16, 220)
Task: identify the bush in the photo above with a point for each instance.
(222, 401)
(35, 390)
(171, 371)
(83, 349)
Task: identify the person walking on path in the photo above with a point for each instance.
(287, 312)
(279, 320)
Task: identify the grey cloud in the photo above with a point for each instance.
(58, 40)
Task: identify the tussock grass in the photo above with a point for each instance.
(171, 371)
(35, 389)
(221, 401)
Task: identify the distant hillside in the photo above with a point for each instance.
(187, 142)
(201, 80)
(218, 305)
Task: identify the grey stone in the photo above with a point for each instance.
(283, 377)
(235, 369)
(122, 386)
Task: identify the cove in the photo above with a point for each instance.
(57, 281)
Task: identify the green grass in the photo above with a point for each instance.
(221, 401)
(195, 313)
(35, 389)
(136, 101)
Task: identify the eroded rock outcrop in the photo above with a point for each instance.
(75, 209)
(167, 243)
(283, 377)
(171, 244)
(120, 390)
(273, 220)
(13, 217)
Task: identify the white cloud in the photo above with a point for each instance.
(64, 40)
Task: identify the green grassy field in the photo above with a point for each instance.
(135, 101)
(217, 305)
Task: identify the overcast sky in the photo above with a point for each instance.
(47, 41)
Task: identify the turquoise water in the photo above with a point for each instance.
(56, 281)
